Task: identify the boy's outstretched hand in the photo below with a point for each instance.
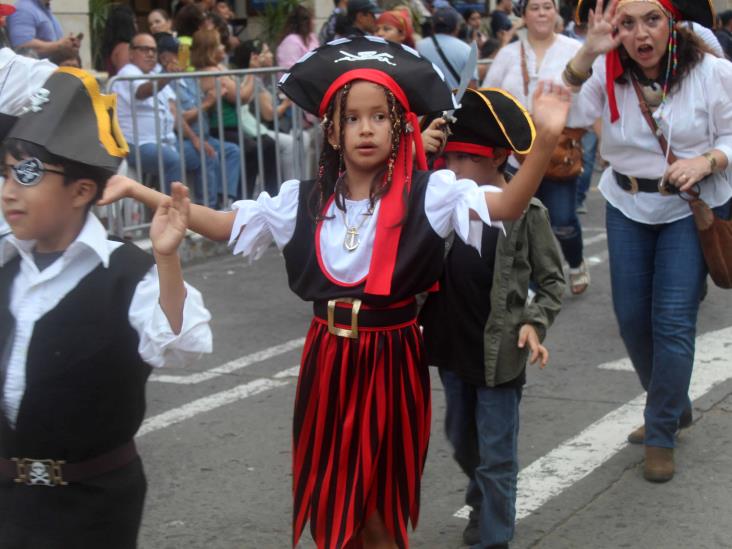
(528, 335)
(171, 221)
(550, 108)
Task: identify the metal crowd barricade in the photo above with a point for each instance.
(127, 218)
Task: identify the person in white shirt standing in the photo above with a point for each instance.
(517, 68)
(145, 117)
(637, 59)
(83, 320)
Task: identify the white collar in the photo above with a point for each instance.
(93, 236)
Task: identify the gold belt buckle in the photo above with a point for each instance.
(663, 187)
(633, 184)
(39, 472)
(355, 308)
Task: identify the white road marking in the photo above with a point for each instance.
(208, 403)
(234, 365)
(594, 239)
(574, 459)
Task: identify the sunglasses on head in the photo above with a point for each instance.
(29, 172)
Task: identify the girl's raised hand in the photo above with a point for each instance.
(602, 35)
(171, 221)
(550, 106)
(117, 188)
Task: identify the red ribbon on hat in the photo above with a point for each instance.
(392, 209)
(469, 148)
(614, 68)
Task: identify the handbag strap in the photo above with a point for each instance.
(646, 112)
(442, 55)
(524, 69)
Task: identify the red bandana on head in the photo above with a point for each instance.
(613, 66)
(391, 214)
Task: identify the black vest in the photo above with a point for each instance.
(419, 255)
(85, 380)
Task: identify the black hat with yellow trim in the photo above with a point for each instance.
(72, 119)
(490, 118)
(699, 11)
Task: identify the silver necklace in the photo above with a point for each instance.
(352, 238)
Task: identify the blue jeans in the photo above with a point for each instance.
(560, 198)
(149, 161)
(657, 273)
(482, 426)
(589, 148)
(214, 175)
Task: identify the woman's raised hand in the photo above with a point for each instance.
(602, 35)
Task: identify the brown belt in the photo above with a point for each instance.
(50, 472)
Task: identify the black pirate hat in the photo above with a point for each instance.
(70, 118)
(699, 11)
(312, 81)
(490, 118)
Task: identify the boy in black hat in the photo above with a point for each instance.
(82, 320)
(361, 17)
(482, 351)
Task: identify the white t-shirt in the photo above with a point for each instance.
(447, 203)
(696, 118)
(144, 110)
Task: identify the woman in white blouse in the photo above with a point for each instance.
(517, 68)
(656, 262)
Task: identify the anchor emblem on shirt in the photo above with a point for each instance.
(351, 241)
(383, 57)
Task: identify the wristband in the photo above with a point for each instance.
(712, 161)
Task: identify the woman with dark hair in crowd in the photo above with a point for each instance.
(683, 143)
(474, 27)
(119, 29)
(208, 54)
(190, 19)
(298, 37)
(517, 68)
(158, 21)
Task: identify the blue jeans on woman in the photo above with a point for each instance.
(214, 173)
(149, 161)
(657, 274)
(560, 199)
(482, 425)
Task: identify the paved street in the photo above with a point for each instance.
(216, 442)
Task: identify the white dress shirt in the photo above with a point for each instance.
(448, 202)
(696, 118)
(34, 293)
(145, 109)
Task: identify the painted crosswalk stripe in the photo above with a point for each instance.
(573, 460)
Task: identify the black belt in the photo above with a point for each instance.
(347, 315)
(51, 472)
(635, 185)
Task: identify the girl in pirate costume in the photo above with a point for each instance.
(360, 242)
(655, 74)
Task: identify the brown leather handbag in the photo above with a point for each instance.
(566, 161)
(715, 234)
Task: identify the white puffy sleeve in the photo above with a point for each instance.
(158, 345)
(720, 108)
(448, 202)
(588, 103)
(260, 222)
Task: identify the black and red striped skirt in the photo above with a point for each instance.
(361, 430)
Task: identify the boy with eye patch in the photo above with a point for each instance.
(83, 319)
(494, 328)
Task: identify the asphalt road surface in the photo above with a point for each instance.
(216, 442)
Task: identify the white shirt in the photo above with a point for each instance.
(145, 111)
(505, 71)
(696, 118)
(34, 293)
(448, 202)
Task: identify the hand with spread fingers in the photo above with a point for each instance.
(551, 103)
(170, 223)
(687, 172)
(602, 28)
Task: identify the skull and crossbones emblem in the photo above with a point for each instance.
(383, 57)
(38, 474)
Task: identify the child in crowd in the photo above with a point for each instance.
(82, 320)
(481, 352)
(360, 242)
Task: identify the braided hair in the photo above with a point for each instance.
(331, 166)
